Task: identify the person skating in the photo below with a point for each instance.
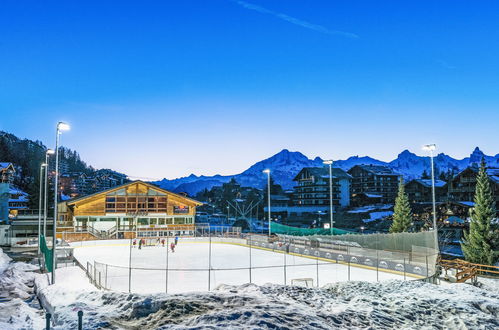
(172, 247)
(140, 244)
(176, 240)
(163, 242)
(134, 243)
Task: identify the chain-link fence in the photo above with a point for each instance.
(203, 263)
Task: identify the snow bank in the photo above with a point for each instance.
(17, 294)
(392, 304)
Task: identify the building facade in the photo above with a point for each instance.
(376, 181)
(462, 187)
(135, 209)
(312, 187)
(420, 191)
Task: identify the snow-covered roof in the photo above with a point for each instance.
(376, 169)
(427, 182)
(373, 216)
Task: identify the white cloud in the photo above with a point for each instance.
(293, 20)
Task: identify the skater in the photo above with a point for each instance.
(163, 242)
(176, 240)
(134, 243)
(172, 247)
(140, 244)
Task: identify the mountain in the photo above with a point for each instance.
(286, 164)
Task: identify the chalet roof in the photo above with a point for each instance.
(427, 182)
(492, 172)
(78, 199)
(376, 169)
(323, 172)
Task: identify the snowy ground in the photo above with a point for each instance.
(360, 305)
(382, 305)
(188, 267)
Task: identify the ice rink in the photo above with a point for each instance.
(230, 264)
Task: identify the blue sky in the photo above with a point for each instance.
(166, 88)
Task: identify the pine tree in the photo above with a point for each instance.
(478, 244)
(402, 216)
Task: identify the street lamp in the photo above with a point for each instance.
(431, 148)
(45, 195)
(362, 229)
(227, 214)
(60, 128)
(330, 163)
(40, 204)
(268, 193)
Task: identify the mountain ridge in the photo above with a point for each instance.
(285, 164)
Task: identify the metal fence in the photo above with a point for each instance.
(261, 259)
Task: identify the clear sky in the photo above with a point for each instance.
(168, 88)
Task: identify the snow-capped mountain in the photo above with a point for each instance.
(286, 164)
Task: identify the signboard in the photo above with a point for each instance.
(136, 213)
(181, 209)
(327, 225)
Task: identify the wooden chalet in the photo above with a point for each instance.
(420, 190)
(134, 209)
(375, 180)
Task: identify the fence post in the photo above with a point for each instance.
(250, 265)
(105, 281)
(284, 253)
(209, 263)
(426, 266)
(377, 266)
(80, 320)
(167, 253)
(404, 270)
(130, 268)
(47, 321)
(349, 268)
(317, 269)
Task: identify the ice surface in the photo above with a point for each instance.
(188, 267)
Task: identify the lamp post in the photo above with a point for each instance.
(45, 195)
(60, 128)
(40, 205)
(431, 148)
(227, 214)
(330, 163)
(268, 194)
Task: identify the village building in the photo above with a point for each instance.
(134, 209)
(420, 191)
(462, 187)
(375, 182)
(313, 188)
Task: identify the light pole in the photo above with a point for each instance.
(227, 214)
(268, 194)
(431, 148)
(45, 195)
(60, 128)
(330, 163)
(40, 205)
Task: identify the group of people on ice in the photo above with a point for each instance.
(142, 241)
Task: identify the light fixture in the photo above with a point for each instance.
(61, 126)
(430, 147)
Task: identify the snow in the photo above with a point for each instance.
(369, 208)
(353, 305)
(16, 292)
(383, 305)
(188, 267)
(373, 216)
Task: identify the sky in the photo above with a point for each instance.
(167, 88)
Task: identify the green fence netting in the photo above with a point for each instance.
(48, 253)
(277, 228)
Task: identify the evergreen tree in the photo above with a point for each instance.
(479, 242)
(425, 175)
(402, 216)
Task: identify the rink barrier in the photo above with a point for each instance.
(408, 264)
